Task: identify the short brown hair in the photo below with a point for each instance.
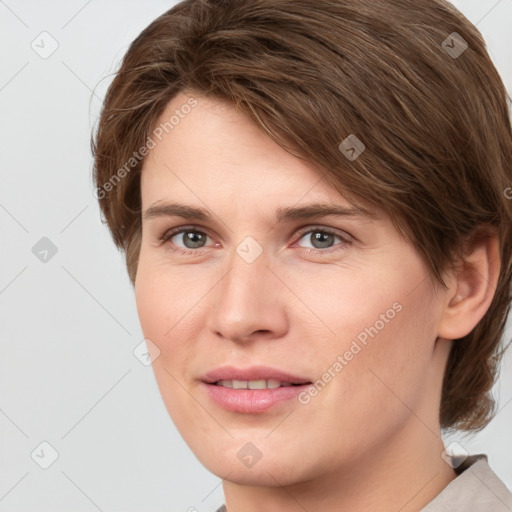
(435, 125)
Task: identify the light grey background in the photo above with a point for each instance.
(68, 326)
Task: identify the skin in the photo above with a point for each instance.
(370, 440)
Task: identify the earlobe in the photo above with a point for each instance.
(472, 286)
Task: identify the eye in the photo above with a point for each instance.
(322, 238)
(191, 238)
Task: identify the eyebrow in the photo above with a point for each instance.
(282, 214)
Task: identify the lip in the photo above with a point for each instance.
(252, 401)
(252, 373)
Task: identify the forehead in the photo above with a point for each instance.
(211, 150)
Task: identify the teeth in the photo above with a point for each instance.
(239, 384)
(257, 384)
(273, 383)
(253, 384)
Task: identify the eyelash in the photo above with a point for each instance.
(165, 238)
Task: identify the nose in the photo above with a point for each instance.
(249, 302)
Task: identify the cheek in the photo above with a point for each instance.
(162, 311)
(158, 310)
(168, 305)
(380, 337)
(163, 296)
(153, 307)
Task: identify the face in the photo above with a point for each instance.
(339, 301)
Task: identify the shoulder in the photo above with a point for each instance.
(476, 489)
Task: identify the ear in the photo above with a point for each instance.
(471, 286)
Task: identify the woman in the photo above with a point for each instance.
(311, 197)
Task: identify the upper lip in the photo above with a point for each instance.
(252, 373)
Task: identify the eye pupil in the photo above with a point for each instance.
(323, 238)
(194, 238)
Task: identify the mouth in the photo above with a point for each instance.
(256, 384)
(253, 390)
(255, 377)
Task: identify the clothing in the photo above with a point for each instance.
(476, 489)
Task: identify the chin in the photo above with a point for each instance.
(273, 470)
(259, 475)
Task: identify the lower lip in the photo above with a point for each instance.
(251, 400)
